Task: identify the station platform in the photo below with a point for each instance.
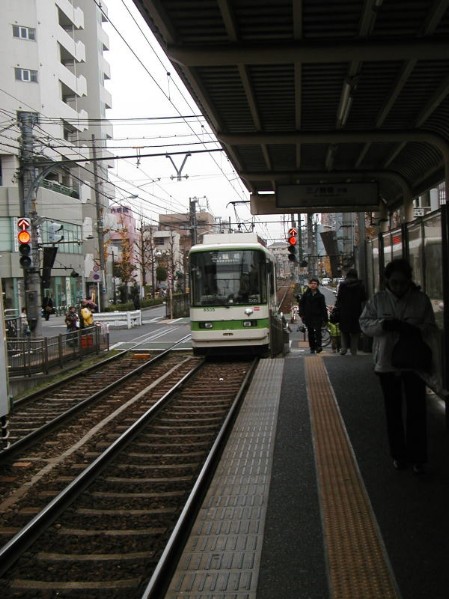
(306, 504)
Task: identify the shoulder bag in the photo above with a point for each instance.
(411, 352)
(334, 316)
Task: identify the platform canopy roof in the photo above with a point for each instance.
(317, 92)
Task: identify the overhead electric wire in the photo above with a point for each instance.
(43, 119)
(148, 146)
(9, 145)
(46, 142)
(149, 73)
(83, 158)
(128, 120)
(104, 179)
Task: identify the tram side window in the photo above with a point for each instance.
(271, 279)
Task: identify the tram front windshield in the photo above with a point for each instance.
(228, 277)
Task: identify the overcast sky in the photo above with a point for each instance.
(149, 97)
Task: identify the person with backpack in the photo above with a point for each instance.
(87, 318)
(351, 297)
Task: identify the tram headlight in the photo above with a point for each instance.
(250, 323)
(206, 325)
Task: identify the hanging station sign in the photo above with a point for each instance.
(338, 197)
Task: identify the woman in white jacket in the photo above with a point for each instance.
(400, 309)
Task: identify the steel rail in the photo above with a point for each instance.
(50, 426)
(165, 568)
(12, 551)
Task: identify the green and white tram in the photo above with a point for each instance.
(232, 295)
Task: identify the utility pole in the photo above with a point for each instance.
(31, 275)
(311, 246)
(300, 240)
(100, 231)
(171, 272)
(192, 219)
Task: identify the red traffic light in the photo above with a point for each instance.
(24, 236)
(24, 239)
(292, 240)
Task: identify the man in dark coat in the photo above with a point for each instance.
(47, 306)
(312, 310)
(351, 297)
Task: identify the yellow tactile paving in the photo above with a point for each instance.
(357, 562)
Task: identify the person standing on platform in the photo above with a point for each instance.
(313, 311)
(351, 297)
(401, 309)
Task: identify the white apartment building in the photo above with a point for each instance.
(52, 73)
(280, 253)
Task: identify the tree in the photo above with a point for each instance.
(124, 266)
(145, 255)
(161, 274)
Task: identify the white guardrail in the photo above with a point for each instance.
(119, 319)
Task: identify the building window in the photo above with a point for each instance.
(26, 75)
(24, 33)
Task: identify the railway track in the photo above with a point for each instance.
(104, 533)
(41, 412)
(101, 415)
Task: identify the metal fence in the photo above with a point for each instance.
(27, 356)
(278, 336)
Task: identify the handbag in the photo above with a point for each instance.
(334, 316)
(411, 352)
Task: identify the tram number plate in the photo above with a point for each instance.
(209, 309)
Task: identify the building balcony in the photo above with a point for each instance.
(71, 49)
(74, 14)
(71, 84)
(103, 37)
(72, 192)
(106, 97)
(105, 67)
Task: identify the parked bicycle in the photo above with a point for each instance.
(325, 334)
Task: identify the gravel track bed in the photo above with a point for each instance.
(31, 412)
(32, 479)
(108, 542)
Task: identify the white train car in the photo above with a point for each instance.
(232, 295)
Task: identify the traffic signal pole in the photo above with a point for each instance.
(31, 275)
(292, 241)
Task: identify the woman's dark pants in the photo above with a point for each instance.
(407, 440)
